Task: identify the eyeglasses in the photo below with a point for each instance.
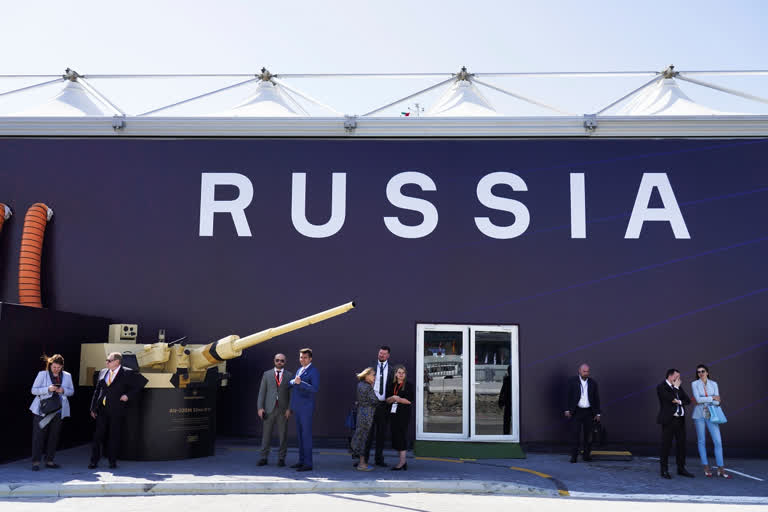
(110, 360)
(279, 360)
(701, 371)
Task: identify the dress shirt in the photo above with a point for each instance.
(680, 411)
(584, 400)
(300, 372)
(381, 395)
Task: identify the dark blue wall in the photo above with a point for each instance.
(124, 244)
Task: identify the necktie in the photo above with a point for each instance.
(679, 407)
(109, 382)
(278, 376)
(381, 378)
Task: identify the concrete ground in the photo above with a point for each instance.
(233, 471)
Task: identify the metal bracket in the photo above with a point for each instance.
(265, 75)
(464, 75)
(590, 123)
(670, 72)
(71, 75)
(350, 123)
(118, 123)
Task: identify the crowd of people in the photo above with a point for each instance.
(384, 399)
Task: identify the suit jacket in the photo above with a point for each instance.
(573, 394)
(40, 390)
(666, 408)
(127, 382)
(303, 395)
(269, 392)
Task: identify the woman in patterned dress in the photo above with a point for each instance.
(366, 405)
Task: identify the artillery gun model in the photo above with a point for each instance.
(175, 417)
(177, 364)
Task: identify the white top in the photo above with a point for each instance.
(584, 400)
(381, 394)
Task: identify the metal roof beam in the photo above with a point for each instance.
(451, 79)
(650, 82)
(523, 98)
(28, 87)
(182, 102)
(723, 89)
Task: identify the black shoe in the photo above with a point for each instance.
(665, 474)
(381, 464)
(262, 462)
(52, 465)
(297, 465)
(92, 465)
(281, 463)
(354, 464)
(404, 467)
(112, 465)
(35, 467)
(574, 459)
(685, 472)
(587, 458)
(304, 468)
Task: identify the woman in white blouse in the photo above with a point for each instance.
(706, 392)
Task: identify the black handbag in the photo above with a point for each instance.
(50, 405)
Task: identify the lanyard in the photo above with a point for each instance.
(398, 387)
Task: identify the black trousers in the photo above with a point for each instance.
(378, 430)
(108, 428)
(673, 430)
(581, 427)
(46, 438)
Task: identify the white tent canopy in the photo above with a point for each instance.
(463, 98)
(72, 100)
(664, 98)
(269, 100)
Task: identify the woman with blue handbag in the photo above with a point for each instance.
(708, 416)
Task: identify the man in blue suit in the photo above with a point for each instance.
(304, 385)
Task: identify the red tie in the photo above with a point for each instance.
(278, 377)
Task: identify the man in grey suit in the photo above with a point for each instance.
(273, 404)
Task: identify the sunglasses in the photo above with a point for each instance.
(701, 371)
(279, 360)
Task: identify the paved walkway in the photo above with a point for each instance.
(233, 470)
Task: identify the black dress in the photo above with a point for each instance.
(399, 420)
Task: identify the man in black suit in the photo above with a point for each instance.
(582, 408)
(380, 423)
(672, 402)
(115, 387)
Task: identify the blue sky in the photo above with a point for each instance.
(345, 36)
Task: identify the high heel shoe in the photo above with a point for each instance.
(404, 467)
(707, 472)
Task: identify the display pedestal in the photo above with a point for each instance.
(171, 424)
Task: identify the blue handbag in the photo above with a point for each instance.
(716, 415)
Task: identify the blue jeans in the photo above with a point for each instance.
(714, 433)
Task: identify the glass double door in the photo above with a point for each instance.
(467, 382)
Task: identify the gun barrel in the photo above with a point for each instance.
(259, 337)
(232, 346)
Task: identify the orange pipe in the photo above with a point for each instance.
(5, 214)
(35, 221)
